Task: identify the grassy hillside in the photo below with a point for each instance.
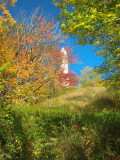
(77, 99)
(76, 124)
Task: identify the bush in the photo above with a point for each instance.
(14, 144)
(59, 134)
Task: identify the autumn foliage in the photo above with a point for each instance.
(35, 60)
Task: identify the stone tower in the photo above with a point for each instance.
(64, 66)
(65, 62)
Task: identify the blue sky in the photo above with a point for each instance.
(86, 55)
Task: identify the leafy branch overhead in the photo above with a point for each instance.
(97, 23)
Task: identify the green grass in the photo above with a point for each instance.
(76, 124)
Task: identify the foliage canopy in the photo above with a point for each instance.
(89, 77)
(97, 23)
(32, 50)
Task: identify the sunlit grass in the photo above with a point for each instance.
(73, 98)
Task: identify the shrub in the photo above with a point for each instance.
(59, 134)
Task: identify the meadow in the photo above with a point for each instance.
(75, 124)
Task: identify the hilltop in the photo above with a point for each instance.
(78, 98)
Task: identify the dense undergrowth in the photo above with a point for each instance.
(76, 124)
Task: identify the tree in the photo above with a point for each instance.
(95, 22)
(37, 60)
(7, 46)
(6, 24)
(89, 77)
(68, 79)
(32, 50)
(5, 18)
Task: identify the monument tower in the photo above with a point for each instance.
(64, 66)
(65, 61)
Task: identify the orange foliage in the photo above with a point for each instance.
(36, 59)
